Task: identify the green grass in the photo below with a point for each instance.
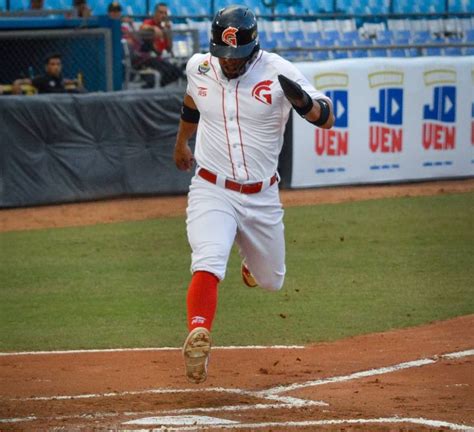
(352, 268)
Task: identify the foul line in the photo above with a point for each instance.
(111, 350)
(307, 423)
(367, 373)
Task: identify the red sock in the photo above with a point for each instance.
(202, 300)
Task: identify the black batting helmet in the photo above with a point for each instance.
(234, 32)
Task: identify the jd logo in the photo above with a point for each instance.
(443, 108)
(390, 107)
(339, 100)
(262, 92)
(229, 36)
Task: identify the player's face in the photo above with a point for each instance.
(232, 68)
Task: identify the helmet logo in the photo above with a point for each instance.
(262, 92)
(229, 36)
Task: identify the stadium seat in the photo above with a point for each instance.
(314, 36)
(359, 53)
(320, 55)
(469, 51)
(452, 51)
(432, 51)
(401, 35)
(331, 34)
(350, 35)
(378, 52)
(296, 35)
(397, 52)
(269, 44)
(469, 35)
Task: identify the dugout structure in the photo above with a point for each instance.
(89, 48)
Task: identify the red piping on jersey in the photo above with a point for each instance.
(238, 125)
(225, 121)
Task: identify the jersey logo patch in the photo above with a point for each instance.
(229, 36)
(262, 92)
(202, 91)
(204, 67)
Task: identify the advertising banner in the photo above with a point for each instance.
(396, 120)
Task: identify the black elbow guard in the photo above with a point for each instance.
(189, 115)
(324, 113)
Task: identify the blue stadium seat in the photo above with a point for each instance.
(378, 52)
(350, 35)
(469, 35)
(296, 35)
(397, 52)
(341, 54)
(19, 5)
(469, 51)
(134, 7)
(314, 36)
(432, 51)
(421, 37)
(269, 44)
(402, 35)
(452, 51)
(306, 44)
(331, 34)
(360, 53)
(364, 42)
(320, 55)
(57, 4)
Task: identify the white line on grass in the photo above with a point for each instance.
(308, 423)
(366, 373)
(111, 350)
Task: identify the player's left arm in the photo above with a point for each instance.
(317, 111)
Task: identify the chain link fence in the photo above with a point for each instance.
(86, 53)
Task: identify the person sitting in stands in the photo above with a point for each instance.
(82, 8)
(36, 4)
(52, 80)
(157, 40)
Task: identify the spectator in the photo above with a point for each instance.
(114, 10)
(36, 4)
(82, 8)
(155, 45)
(160, 24)
(52, 80)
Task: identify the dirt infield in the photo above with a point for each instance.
(413, 379)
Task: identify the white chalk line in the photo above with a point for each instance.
(266, 394)
(270, 394)
(368, 373)
(118, 350)
(308, 423)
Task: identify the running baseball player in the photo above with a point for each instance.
(238, 99)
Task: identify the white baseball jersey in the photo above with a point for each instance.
(240, 132)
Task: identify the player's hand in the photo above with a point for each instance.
(183, 157)
(293, 92)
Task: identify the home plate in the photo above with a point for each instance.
(180, 421)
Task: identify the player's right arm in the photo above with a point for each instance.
(188, 124)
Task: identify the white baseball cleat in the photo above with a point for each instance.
(196, 350)
(247, 277)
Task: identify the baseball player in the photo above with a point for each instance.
(238, 99)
